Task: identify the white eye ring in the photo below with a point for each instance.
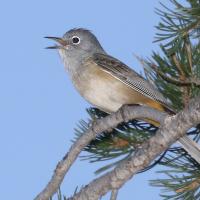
(76, 40)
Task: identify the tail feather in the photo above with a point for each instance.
(192, 148)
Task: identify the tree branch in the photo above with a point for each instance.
(173, 128)
(124, 114)
(187, 82)
(114, 194)
(174, 80)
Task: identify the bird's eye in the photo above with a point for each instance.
(75, 40)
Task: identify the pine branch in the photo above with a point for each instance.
(177, 74)
(120, 141)
(187, 82)
(173, 80)
(124, 114)
(178, 23)
(171, 129)
(114, 194)
(182, 177)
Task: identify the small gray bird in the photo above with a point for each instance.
(106, 82)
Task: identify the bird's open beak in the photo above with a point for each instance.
(61, 43)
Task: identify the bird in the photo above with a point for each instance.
(106, 82)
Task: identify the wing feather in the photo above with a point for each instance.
(129, 77)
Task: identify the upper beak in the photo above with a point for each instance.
(60, 41)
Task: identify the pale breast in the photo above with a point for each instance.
(104, 91)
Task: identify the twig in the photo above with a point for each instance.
(189, 53)
(179, 67)
(186, 82)
(179, 82)
(173, 128)
(114, 194)
(186, 90)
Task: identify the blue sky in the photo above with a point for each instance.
(39, 108)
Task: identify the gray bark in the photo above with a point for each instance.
(171, 129)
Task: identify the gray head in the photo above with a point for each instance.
(77, 42)
(75, 46)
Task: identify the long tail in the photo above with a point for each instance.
(191, 147)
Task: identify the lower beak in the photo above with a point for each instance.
(60, 41)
